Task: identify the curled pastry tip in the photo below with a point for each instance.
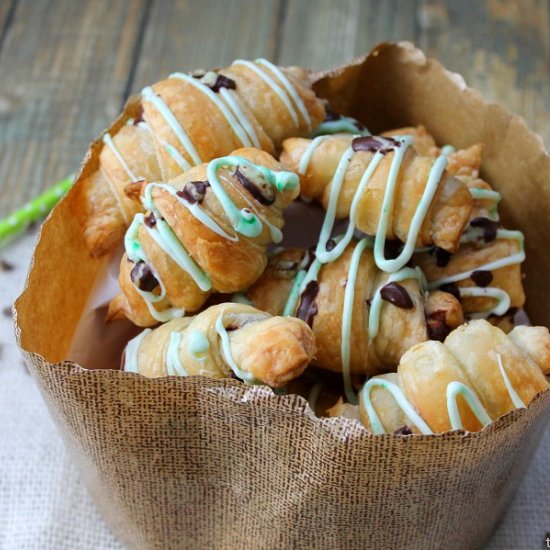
(134, 189)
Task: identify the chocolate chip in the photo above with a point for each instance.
(331, 243)
(490, 228)
(331, 115)
(404, 430)
(6, 266)
(143, 277)
(256, 184)
(214, 80)
(452, 289)
(374, 144)
(150, 221)
(193, 191)
(224, 82)
(481, 277)
(6, 312)
(442, 257)
(392, 249)
(395, 294)
(436, 322)
(308, 258)
(308, 308)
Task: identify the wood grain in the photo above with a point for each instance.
(68, 66)
(192, 34)
(64, 68)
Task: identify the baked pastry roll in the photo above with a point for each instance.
(363, 319)
(205, 231)
(385, 188)
(476, 376)
(184, 121)
(226, 340)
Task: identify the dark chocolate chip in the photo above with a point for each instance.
(331, 115)
(452, 289)
(6, 266)
(331, 243)
(481, 277)
(442, 257)
(392, 249)
(396, 295)
(308, 308)
(404, 430)
(143, 277)
(437, 325)
(490, 228)
(150, 220)
(214, 80)
(6, 312)
(193, 191)
(374, 144)
(224, 82)
(256, 184)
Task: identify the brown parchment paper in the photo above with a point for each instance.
(195, 463)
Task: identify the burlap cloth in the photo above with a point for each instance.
(44, 505)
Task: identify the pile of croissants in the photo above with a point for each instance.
(400, 313)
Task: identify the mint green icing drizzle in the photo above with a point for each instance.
(516, 399)
(174, 366)
(454, 389)
(198, 345)
(343, 125)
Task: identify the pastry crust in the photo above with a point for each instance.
(488, 367)
(182, 121)
(229, 260)
(399, 327)
(260, 348)
(445, 218)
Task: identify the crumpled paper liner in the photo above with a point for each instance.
(196, 463)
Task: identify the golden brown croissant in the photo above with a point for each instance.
(183, 121)
(206, 231)
(363, 319)
(226, 340)
(385, 188)
(476, 376)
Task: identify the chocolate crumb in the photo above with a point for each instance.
(490, 228)
(436, 322)
(308, 308)
(374, 144)
(481, 277)
(6, 266)
(142, 276)
(404, 430)
(150, 221)
(452, 289)
(392, 249)
(194, 191)
(442, 257)
(331, 243)
(397, 295)
(6, 312)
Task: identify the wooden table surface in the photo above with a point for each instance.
(67, 66)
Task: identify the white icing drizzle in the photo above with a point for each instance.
(516, 399)
(401, 400)
(454, 389)
(308, 153)
(447, 150)
(245, 376)
(177, 157)
(291, 90)
(232, 101)
(273, 85)
(149, 95)
(174, 366)
(501, 296)
(109, 142)
(234, 122)
(132, 350)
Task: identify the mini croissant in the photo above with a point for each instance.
(227, 340)
(184, 121)
(385, 188)
(476, 376)
(206, 231)
(363, 319)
